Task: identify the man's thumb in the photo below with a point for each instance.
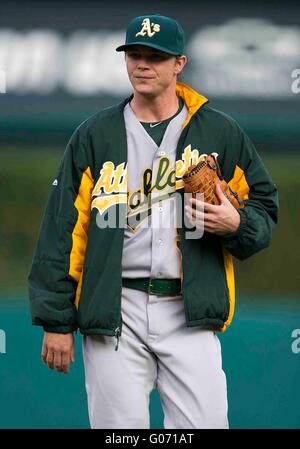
(220, 194)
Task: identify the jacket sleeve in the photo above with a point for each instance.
(59, 255)
(259, 216)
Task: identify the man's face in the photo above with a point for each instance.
(150, 71)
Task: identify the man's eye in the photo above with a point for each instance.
(152, 57)
(157, 58)
(134, 55)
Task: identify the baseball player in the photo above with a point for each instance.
(113, 261)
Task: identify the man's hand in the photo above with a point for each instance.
(58, 351)
(220, 220)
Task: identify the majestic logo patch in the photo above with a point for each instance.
(148, 28)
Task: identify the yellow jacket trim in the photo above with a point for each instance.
(238, 184)
(80, 231)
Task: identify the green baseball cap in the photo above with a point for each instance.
(155, 31)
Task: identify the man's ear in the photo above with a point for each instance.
(180, 63)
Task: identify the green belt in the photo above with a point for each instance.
(171, 287)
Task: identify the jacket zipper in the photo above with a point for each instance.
(117, 335)
(118, 329)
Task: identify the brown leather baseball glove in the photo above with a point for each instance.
(203, 178)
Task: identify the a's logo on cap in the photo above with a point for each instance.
(148, 28)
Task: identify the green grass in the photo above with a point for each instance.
(284, 169)
(26, 176)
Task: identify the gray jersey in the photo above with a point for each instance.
(150, 248)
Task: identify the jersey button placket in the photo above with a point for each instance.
(153, 300)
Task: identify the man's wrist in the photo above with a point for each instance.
(241, 226)
(236, 222)
(62, 329)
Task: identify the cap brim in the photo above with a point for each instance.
(157, 47)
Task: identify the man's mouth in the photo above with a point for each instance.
(144, 77)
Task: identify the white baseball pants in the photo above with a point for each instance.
(156, 350)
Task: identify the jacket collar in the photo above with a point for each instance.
(193, 100)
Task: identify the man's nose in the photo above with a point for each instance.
(143, 63)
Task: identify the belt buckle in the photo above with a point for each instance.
(152, 286)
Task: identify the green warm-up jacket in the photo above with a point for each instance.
(75, 280)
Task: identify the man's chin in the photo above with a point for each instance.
(145, 91)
